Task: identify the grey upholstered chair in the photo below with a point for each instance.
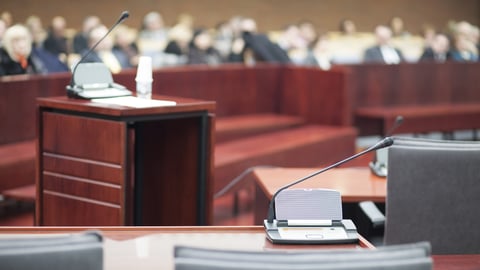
(78, 251)
(409, 256)
(433, 194)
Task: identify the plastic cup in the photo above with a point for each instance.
(144, 77)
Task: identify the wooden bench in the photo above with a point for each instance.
(23, 193)
(304, 146)
(230, 128)
(418, 118)
(17, 165)
(18, 128)
(430, 96)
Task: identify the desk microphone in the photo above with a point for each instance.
(123, 16)
(381, 144)
(398, 122)
(378, 165)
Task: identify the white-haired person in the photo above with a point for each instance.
(16, 53)
(383, 51)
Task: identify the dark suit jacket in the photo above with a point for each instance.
(264, 49)
(10, 67)
(374, 55)
(429, 55)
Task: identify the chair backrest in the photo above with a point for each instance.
(409, 256)
(433, 194)
(73, 251)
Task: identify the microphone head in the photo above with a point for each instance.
(386, 142)
(123, 16)
(399, 120)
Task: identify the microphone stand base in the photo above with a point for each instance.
(340, 232)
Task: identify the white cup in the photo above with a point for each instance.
(144, 77)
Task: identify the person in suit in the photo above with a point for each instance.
(383, 52)
(439, 50)
(201, 49)
(56, 41)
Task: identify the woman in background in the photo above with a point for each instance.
(16, 55)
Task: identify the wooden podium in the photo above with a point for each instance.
(112, 165)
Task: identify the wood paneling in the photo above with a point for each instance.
(414, 84)
(78, 211)
(147, 166)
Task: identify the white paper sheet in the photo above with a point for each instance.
(135, 102)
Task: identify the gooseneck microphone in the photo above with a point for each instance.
(123, 16)
(398, 122)
(378, 165)
(381, 144)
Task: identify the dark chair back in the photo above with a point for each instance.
(433, 194)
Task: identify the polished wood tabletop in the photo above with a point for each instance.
(152, 247)
(354, 184)
(144, 248)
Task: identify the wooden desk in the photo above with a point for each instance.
(355, 185)
(418, 118)
(110, 165)
(145, 248)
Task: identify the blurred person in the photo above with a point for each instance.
(290, 38)
(35, 26)
(201, 49)
(56, 41)
(16, 54)
(124, 44)
(7, 17)
(428, 33)
(302, 43)
(3, 28)
(347, 27)
(223, 38)
(237, 47)
(104, 51)
(185, 20)
(463, 29)
(257, 47)
(153, 37)
(439, 50)
(308, 32)
(319, 55)
(180, 37)
(80, 40)
(465, 42)
(464, 50)
(293, 43)
(397, 26)
(475, 36)
(50, 61)
(383, 51)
